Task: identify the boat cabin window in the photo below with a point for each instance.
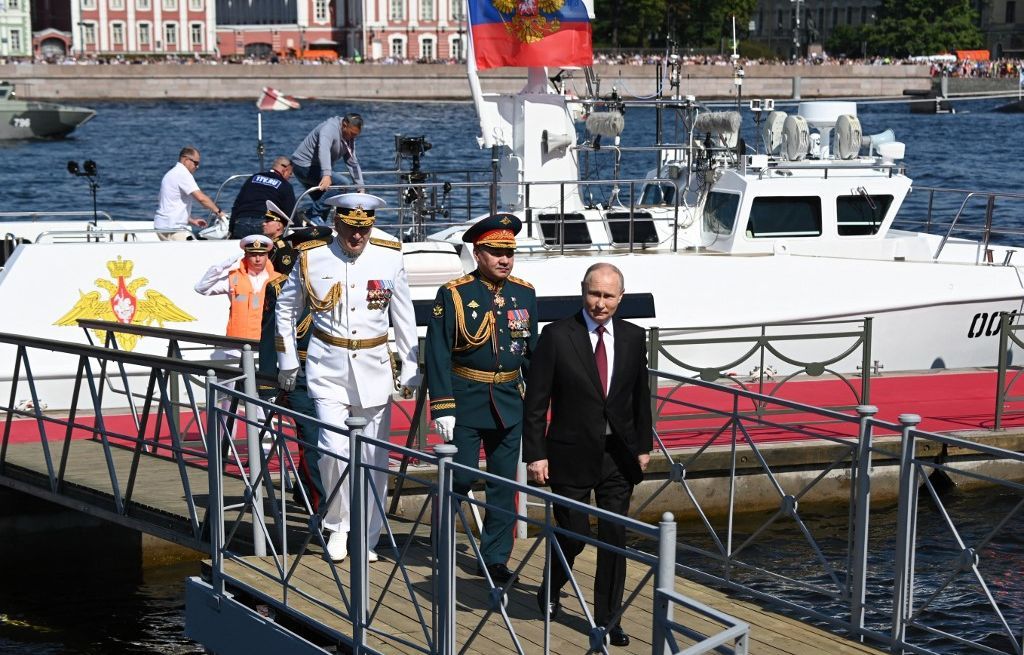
(5, 91)
(720, 212)
(659, 194)
(573, 226)
(785, 216)
(861, 215)
(643, 227)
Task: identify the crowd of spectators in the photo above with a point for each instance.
(997, 68)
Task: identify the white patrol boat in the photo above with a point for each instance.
(798, 229)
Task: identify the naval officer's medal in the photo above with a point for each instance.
(378, 293)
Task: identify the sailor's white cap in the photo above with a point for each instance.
(256, 243)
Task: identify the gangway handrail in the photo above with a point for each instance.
(189, 336)
(185, 366)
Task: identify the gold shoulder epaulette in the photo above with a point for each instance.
(278, 282)
(306, 245)
(386, 243)
(451, 284)
(521, 282)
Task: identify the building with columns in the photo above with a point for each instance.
(414, 29)
(15, 28)
(373, 30)
(141, 27)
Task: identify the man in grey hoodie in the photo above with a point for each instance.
(314, 159)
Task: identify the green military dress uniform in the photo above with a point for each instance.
(298, 398)
(479, 341)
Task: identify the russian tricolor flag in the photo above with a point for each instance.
(530, 33)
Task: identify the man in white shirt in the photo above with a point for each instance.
(178, 189)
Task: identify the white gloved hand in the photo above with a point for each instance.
(286, 378)
(445, 427)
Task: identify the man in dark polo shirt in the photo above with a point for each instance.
(251, 204)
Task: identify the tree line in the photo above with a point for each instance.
(902, 27)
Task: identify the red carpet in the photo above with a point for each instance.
(945, 401)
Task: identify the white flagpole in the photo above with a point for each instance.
(474, 80)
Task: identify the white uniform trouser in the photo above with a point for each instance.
(378, 422)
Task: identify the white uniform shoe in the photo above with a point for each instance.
(337, 546)
(372, 556)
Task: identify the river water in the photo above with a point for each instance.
(134, 144)
(106, 606)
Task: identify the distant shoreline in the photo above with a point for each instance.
(425, 82)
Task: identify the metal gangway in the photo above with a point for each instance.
(269, 587)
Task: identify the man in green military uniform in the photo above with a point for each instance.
(479, 341)
(298, 398)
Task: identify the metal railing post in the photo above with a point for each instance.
(444, 544)
(665, 582)
(990, 206)
(215, 510)
(357, 533)
(865, 381)
(653, 353)
(906, 521)
(521, 508)
(862, 509)
(255, 451)
(1005, 325)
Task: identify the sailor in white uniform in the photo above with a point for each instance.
(353, 285)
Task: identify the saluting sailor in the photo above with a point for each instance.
(479, 341)
(353, 286)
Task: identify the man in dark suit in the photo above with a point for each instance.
(591, 369)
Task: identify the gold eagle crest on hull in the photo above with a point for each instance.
(123, 304)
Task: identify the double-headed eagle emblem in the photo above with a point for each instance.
(123, 305)
(527, 23)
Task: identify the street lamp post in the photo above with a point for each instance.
(302, 41)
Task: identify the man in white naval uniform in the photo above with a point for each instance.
(352, 285)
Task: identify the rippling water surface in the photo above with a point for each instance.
(104, 608)
(135, 143)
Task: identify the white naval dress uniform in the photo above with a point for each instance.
(345, 382)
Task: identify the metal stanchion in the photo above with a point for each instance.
(665, 581)
(862, 508)
(906, 524)
(255, 452)
(444, 544)
(216, 503)
(357, 533)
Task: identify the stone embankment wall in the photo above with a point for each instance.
(433, 81)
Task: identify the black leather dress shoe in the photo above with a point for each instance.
(549, 608)
(618, 637)
(500, 574)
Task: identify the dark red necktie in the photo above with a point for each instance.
(601, 359)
